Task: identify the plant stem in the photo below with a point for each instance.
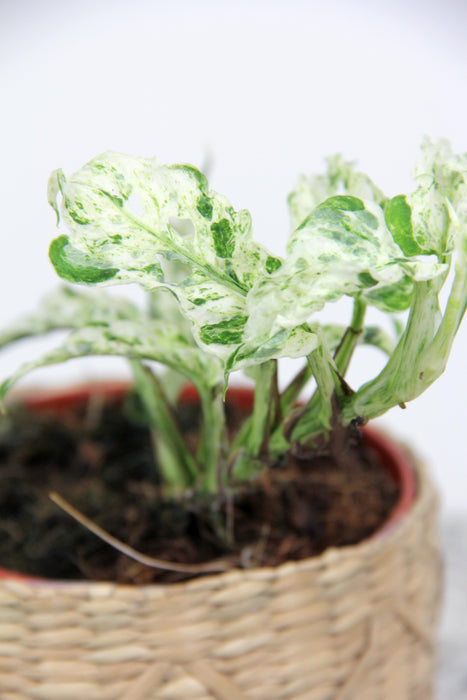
(252, 442)
(264, 409)
(438, 353)
(265, 387)
(178, 467)
(323, 374)
(399, 380)
(291, 393)
(351, 337)
(212, 566)
(315, 417)
(212, 438)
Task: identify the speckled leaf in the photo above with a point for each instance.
(439, 223)
(68, 308)
(128, 218)
(441, 178)
(263, 346)
(143, 340)
(341, 177)
(342, 248)
(100, 318)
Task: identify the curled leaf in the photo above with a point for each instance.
(135, 339)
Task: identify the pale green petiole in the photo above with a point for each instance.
(313, 419)
(178, 468)
(211, 453)
(264, 408)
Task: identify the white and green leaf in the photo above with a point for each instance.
(263, 346)
(441, 177)
(423, 222)
(343, 247)
(68, 308)
(129, 218)
(136, 340)
(340, 178)
(211, 284)
(439, 224)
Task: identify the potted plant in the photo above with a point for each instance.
(257, 479)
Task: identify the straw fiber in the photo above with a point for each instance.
(355, 623)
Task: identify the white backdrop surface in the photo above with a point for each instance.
(263, 90)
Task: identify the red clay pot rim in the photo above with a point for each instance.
(394, 458)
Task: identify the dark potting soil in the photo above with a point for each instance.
(102, 463)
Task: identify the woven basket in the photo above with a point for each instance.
(356, 623)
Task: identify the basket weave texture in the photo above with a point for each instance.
(354, 623)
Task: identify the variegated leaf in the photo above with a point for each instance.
(439, 199)
(263, 346)
(68, 308)
(340, 178)
(424, 222)
(130, 218)
(342, 248)
(133, 339)
(438, 223)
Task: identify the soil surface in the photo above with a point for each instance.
(102, 463)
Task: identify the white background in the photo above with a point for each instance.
(264, 89)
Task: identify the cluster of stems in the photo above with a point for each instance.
(277, 422)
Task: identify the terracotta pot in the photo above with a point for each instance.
(356, 622)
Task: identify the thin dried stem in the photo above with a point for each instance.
(209, 567)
